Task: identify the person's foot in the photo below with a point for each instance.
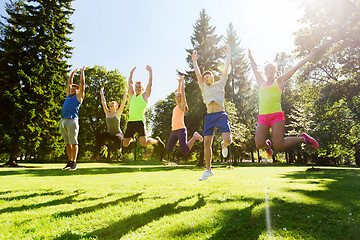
(73, 166)
(269, 151)
(68, 165)
(310, 141)
(103, 150)
(206, 174)
(224, 150)
(198, 136)
(160, 143)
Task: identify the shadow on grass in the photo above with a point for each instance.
(91, 171)
(97, 207)
(64, 200)
(335, 213)
(118, 229)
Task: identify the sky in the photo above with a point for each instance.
(122, 34)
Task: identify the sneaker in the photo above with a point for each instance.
(310, 141)
(269, 151)
(224, 150)
(160, 143)
(198, 136)
(206, 174)
(103, 150)
(68, 165)
(73, 166)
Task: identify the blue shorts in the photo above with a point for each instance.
(219, 120)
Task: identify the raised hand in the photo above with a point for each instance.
(83, 68)
(181, 78)
(148, 68)
(132, 71)
(194, 56)
(228, 49)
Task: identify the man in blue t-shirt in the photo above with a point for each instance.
(69, 124)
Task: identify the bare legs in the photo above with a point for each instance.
(208, 140)
(72, 152)
(279, 141)
(143, 141)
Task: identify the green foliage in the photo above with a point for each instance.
(33, 53)
(92, 118)
(335, 72)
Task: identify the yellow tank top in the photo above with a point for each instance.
(137, 108)
(270, 98)
(177, 121)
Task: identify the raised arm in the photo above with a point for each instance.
(181, 89)
(82, 84)
(70, 81)
(131, 84)
(195, 57)
(283, 78)
(227, 64)
(103, 101)
(259, 78)
(147, 92)
(121, 108)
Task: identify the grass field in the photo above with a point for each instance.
(127, 201)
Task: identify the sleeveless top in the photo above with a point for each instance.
(113, 124)
(71, 107)
(177, 121)
(137, 108)
(270, 98)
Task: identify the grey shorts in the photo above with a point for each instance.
(69, 129)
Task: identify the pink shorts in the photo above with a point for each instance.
(270, 119)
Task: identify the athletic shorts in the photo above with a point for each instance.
(270, 119)
(135, 127)
(69, 129)
(219, 120)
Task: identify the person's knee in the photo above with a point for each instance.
(278, 145)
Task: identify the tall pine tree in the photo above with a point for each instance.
(206, 43)
(33, 50)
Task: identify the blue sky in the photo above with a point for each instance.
(121, 34)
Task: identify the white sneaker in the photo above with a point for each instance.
(224, 150)
(206, 174)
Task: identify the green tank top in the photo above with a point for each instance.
(137, 108)
(270, 98)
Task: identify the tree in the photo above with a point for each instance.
(205, 42)
(91, 115)
(240, 91)
(33, 53)
(334, 28)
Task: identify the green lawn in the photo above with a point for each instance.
(113, 201)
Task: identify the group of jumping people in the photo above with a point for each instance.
(213, 92)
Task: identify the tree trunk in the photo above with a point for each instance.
(201, 158)
(13, 154)
(252, 156)
(258, 153)
(357, 154)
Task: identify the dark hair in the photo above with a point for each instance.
(75, 85)
(206, 72)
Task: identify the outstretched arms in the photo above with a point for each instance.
(181, 89)
(121, 108)
(254, 67)
(130, 83)
(283, 78)
(70, 81)
(147, 92)
(227, 64)
(103, 101)
(195, 57)
(82, 83)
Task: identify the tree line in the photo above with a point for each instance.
(321, 99)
